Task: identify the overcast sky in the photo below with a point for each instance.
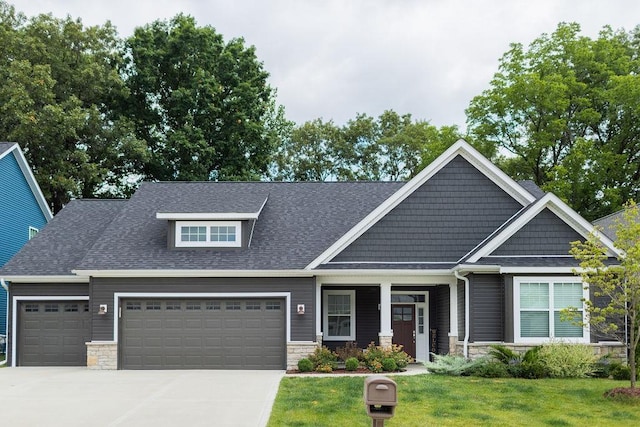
(332, 59)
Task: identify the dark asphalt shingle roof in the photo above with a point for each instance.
(532, 188)
(608, 224)
(299, 221)
(5, 146)
(60, 246)
(208, 197)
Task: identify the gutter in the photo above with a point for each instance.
(5, 286)
(465, 345)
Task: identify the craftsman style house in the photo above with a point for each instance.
(254, 275)
(23, 210)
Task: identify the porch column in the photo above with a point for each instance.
(318, 313)
(386, 333)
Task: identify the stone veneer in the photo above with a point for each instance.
(102, 355)
(476, 350)
(299, 350)
(385, 340)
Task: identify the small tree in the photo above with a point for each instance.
(615, 289)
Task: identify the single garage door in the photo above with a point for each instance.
(203, 334)
(53, 333)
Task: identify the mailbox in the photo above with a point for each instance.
(380, 397)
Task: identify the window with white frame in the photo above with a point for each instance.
(339, 315)
(208, 234)
(32, 232)
(538, 303)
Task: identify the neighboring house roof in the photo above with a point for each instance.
(532, 188)
(12, 147)
(459, 211)
(608, 223)
(62, 244)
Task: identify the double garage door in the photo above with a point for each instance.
(202, 334)
(53, 333)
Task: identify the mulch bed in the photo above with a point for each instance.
(623, 392)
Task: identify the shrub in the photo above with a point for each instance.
(351, 364)
(375, 355)
(323, 359)
(620, 372)
(450, 365)
(305, 365)
(349, 350)
(562, 360)
(503, 354)
(389, 364)
(602, 367)
(487, 368)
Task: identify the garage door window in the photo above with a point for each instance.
(51, 308)
(214, 305)
(273, 305)
(31, 308)
(153, 305)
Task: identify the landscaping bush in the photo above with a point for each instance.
(349, 350)
(487, 368)
(389, 365)
(351, 364)
(602, 367)
(305, 365)
(374, 357)
(563, 360)
(450, 365)
(323, 359)
(620, 372)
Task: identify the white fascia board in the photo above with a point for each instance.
(382, 272)
(195, 273)
(208, 216)
(47, 279)
(461, 148)
(539, 270)
(31, 180)
(558, 207)
(482, 268)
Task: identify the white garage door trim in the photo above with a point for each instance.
(117, 296)
(14, 316)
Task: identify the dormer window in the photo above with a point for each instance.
(225, 234)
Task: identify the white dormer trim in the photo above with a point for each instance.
(559, 208)
(460, 148)
(31, 179)
(207, 216)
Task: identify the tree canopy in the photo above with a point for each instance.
(565, 112)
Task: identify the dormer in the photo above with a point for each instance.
(219, 230)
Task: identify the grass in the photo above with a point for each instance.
(455, 401)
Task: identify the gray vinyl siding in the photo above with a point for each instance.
(302, 292)
(546, 234)
(461, 311)
(441, 221)
(39, 289)
(439, 302)
(486, 307)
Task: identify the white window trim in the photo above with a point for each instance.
(586, 334)
(208, 243)
(33, 230)
(325, 315)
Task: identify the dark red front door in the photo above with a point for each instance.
(404, 327)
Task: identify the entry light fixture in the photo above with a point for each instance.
(300, 309)
(103, 309)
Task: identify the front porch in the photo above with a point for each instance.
(418, 313)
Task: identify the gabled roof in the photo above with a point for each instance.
(460, 148)
(298, 221)
(555, 205)
(61, 245)
(608, 223)
(11, 147)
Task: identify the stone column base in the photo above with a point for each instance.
(299, 350)
(102, 355)
(385, 340)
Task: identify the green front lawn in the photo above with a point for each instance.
(454, 401)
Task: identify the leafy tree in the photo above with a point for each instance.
(615, 289)
(60, 80)
(390, 147)
(566, 112)
(203, 105)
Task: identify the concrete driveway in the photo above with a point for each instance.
(80, 397)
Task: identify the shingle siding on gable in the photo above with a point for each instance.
(441, 221)
(546, 234)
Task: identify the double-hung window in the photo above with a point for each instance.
(208, 234)
(339, 315)
(538, 303)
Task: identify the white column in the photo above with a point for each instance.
(385, 310)
(317, 308)
(453, 309)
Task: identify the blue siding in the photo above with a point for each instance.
(19, 210)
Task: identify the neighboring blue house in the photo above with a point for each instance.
(23, 210)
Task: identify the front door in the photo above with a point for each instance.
(404, 327)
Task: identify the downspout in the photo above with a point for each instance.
(465, 343)
(6, 288)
